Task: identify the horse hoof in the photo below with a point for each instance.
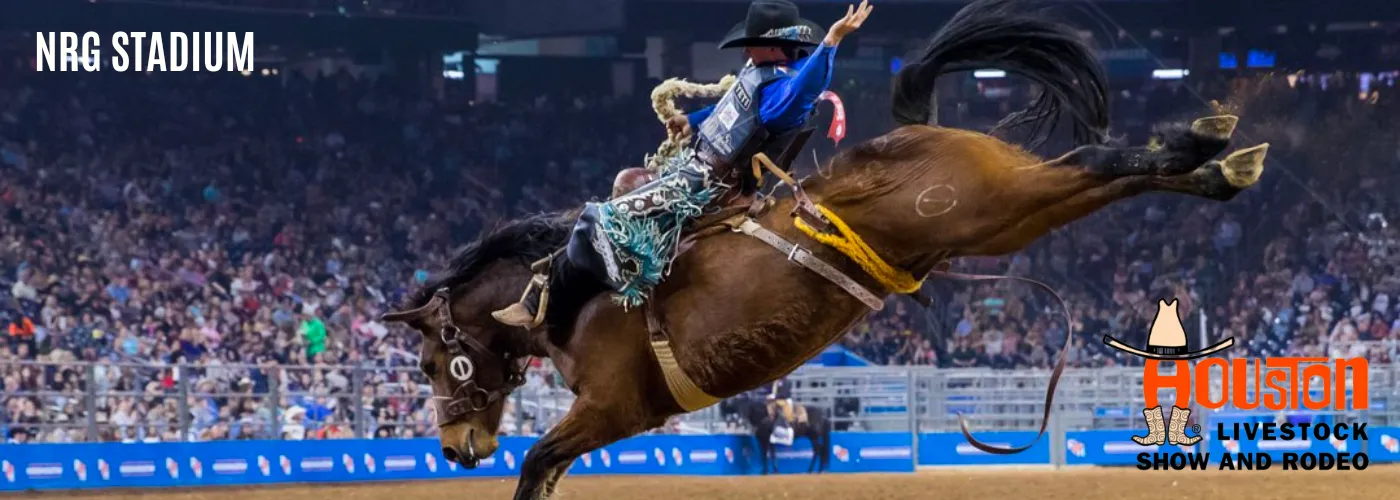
(1217, 127)
(1243, 168)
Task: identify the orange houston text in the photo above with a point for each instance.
(1288, 382)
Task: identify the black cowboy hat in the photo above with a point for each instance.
(773, 23)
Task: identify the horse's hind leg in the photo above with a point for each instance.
(1217, 180)
(584, 429)
(1178, 150)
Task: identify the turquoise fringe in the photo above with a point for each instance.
(648, 243)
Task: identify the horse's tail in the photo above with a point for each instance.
(1004, 35)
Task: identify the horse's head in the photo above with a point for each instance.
(753, 411)
(473, 365)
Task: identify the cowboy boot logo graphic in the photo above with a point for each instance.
(1156, 432)
(1173, 432)
(1167, 342)
(1176, 429)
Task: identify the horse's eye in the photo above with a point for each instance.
(428, 367)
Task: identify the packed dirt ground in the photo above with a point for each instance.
(1375, 483)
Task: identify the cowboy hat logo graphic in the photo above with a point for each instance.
(1167, 342)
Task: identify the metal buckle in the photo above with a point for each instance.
(449, 334)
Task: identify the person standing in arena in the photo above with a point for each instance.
(628, 242)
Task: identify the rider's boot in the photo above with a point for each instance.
(530, 310)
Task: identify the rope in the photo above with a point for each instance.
(853, 246)
(663, 101)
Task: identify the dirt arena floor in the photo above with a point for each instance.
(1375, 483)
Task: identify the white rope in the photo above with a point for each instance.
(663, 101)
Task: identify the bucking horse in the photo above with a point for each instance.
(749, 298)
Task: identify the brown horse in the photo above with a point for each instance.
(739, 314)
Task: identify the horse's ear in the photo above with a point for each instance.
(398, 316)
(413, 316)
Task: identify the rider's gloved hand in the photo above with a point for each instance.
(678, 125)
(855, 17)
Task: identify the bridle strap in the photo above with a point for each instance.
(467, 396)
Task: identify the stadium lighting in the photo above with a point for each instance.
(1170, 74)
(988, 74)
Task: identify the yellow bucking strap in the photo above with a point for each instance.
(851, 245)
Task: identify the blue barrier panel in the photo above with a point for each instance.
(663, 454)
(951, 448)
(850, 452)
(63, 466)
(1112, 447)
(1384, 445)
(108, 465)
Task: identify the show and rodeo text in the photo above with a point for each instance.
(1270, 431)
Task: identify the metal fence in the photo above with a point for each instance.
(80, 402)
(925, 399)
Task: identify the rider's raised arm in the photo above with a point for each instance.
(787, 102)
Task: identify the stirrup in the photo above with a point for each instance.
(540, 281)
(542, 266)
(519, 313)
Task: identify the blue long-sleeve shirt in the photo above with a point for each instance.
(784, 104)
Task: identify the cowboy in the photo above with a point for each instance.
(628, 241)
(781, 397)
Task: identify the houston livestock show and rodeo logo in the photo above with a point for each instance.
(1276, 384)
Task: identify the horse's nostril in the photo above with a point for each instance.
(449, 453)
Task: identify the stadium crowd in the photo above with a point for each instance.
(252, 230)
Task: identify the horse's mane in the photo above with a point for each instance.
(526, 240)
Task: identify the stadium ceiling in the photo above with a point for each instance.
(308, 29)
(708, 18)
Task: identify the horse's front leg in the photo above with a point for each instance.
(551, 482)
(585, 428)
(763, 445)
(773, 456)
(816, 452)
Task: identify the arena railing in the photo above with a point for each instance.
(135, 402)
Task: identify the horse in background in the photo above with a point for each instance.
(761, 415)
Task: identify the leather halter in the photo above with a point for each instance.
(467, 396)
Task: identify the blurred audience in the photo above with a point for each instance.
(235, 238)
